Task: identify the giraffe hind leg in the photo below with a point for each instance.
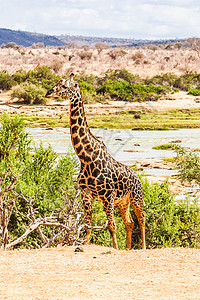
(137, 205)
(123, 207)
(87, 202)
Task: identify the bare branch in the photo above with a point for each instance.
(22, 238)
(98, 227)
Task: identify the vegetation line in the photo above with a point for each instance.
(147, 121)
(115, 84)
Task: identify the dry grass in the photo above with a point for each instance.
(144, 61)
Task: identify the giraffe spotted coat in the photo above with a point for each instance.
(101, 177)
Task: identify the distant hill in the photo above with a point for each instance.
(26, 39)
(113, 42)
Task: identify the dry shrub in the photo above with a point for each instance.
(115, 53)
(138, 56)
(194, 44)
(152, 47)
(100, 46)
(102, 57)
(85, 47)
(57, 65)
(85, 54)
(38, 45)
(10, 45)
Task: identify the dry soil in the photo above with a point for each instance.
(100, 273)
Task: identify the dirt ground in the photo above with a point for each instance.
(176, 101)
(100, 273)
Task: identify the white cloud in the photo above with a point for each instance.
(127, 18)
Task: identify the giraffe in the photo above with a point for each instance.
(101, 177)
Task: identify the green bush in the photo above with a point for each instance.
(122, 85)
(166, 79)
(118, 84)
(42, 75)
(14, 141)
(194, 92)
(19, 76)
(6, 81)
(188, 164)
(168, 224)
(30, 93)
(164, 147)
(121, 74)
(41, 176)
(116, 89)
(187, 81)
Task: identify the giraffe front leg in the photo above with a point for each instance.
(87, 202)
(109, 208)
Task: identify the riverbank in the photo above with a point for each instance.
(173, 111)
(179, 189)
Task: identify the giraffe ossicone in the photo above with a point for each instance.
(101, 177)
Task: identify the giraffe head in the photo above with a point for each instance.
(65, 88)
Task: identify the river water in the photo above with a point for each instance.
(125, 145)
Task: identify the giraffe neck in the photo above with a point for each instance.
(82, 139)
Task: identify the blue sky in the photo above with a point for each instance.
(145, 19)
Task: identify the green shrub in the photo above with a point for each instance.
(162, 80)
(122, 74)
(14, 141)
(6, 81)
(19, 76)
(187, 81)
(164, 147)
(42, 178)
(188, 164)
(48, 182)
(116, 89)
(168, 224)
(194, 92)
(44, 76)
(30, 93)
(122, 85)
(117, 84)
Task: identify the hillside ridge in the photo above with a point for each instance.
(26, 39)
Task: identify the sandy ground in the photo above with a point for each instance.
(177, 101)
(100, 273)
